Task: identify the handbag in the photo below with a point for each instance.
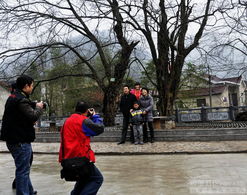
(77, 168)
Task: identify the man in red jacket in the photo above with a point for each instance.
(75, 135)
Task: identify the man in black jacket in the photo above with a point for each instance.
(18, 131)
(126, 103)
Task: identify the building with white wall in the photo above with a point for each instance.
(223, 92)
(4, 94)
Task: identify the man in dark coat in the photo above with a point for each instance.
(18, 131)
(126, 104)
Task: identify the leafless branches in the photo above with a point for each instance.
(55, 23)
(89, 29)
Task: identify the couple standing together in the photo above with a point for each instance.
(145, 101)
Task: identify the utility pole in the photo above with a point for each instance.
(210, 87)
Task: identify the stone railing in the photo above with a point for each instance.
(207, 114)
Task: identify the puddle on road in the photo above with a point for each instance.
(143, 174)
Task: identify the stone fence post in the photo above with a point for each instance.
(203, 114)
(178, 118)
(232, 113)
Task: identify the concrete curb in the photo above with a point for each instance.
(111, 148)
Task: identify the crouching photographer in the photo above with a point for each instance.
(76, 157)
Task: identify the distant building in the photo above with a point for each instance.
(224, 92)
(4, 94)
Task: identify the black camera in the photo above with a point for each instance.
(90, 112)
(33, 104)
(45, 105)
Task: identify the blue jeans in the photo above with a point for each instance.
(90, 187)
(22, 154)
(138, 133)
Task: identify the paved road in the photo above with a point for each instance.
(213, 174)
(108, 148)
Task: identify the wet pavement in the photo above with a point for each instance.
(222, 174)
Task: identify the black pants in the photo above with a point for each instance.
(145, 131)
(126, 120)
(90, 187)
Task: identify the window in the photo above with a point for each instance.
(201, 102)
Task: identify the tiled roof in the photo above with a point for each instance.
(217, 79)
(213, 77)
(5, 85)
(202, 91)
(233, 79)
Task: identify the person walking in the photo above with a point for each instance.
(75, 136)
(126, 103)
(146, 103)
(18, 131)
(136, 121)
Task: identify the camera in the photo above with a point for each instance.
(33, 104)
(45, 105)
(90, 112)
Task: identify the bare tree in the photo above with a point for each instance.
(236, 20)
(227, 50)
(172, 29)
(169, 29)
(52, 24)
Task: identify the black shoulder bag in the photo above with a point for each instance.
(77, 168)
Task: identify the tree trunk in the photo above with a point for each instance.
(168, 84)
(110, 106)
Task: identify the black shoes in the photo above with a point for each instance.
(151, 140)
(122, 142)
(13, 184)
(35, 192)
